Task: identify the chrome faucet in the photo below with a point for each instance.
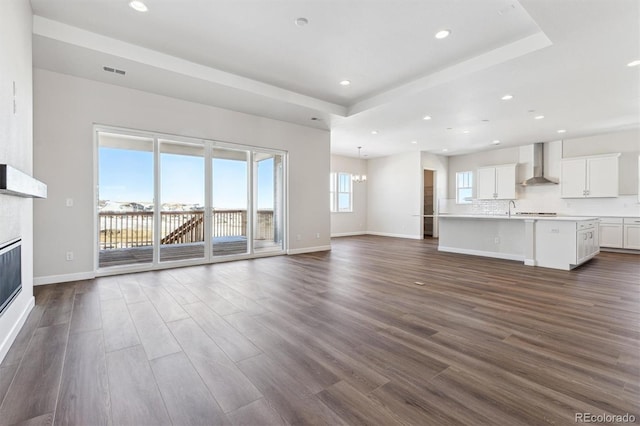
(514, 206)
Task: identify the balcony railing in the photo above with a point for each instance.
(135, 229)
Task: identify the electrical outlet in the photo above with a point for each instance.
(69, 202)
(555, 230)
(496, 240)
(69, 256)
(317, 235)
(298, 237)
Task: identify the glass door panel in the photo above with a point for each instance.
(268, 229)
(125, 200)
(182, 214)
(229, 201)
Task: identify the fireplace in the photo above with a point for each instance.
(10, 272)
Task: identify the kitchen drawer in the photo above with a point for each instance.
(611, 220)
(632, 220)
(587, 224)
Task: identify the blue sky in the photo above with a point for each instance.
(127, 175)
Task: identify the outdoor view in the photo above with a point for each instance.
(126, 201)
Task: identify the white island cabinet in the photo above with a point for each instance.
(550, 242)
(565, 245)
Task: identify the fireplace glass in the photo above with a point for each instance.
(10, 272)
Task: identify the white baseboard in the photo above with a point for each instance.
(388, 234)
(348, 234)
(53, 279)
(308, 249)
(13, 333)
(507, 256)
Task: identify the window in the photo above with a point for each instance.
(340, 192)
(464, 187)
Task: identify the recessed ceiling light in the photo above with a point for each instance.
(444, 150)
(301, 22)
(539, 117)
(138, 5)
(414, 142)
(426, 117)
(634, 63)
(345, 83)
(374, 132)
(466, 132)
(507, 97)
(443, 34)
(562, 131)
(485, 120)
(496, 142)
(449, 128)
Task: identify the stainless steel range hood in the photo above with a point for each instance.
(19, 184)
(538, 168)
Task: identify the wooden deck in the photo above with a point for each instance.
(175, 252)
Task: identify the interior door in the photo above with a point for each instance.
(428, 225)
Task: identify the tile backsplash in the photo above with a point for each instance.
(490, 207)
(537, 201)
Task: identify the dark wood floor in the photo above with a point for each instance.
(340, 337)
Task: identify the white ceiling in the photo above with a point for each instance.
(564, 59)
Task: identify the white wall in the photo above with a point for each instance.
(355, 222)
(16, 144)
(546, 198)
(65, 110)
(394, 195)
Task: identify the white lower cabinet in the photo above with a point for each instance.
(611, 232)
(620, 233)
(631, 233)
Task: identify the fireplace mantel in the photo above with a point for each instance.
(19, 184)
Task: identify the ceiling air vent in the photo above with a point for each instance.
(114, 70)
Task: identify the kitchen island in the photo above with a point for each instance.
(559, 242)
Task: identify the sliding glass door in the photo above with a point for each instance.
(125, 200)
(182, 201)
(165, 200)
(229, 201)
(268, 229)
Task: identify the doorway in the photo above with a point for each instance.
(429, 215)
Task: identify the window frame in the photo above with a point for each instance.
(468, 176)
(335, 191)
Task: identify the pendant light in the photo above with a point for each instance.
(360, 177)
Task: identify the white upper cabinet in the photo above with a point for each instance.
(590, 177)
(497, 183)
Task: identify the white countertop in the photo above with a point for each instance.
(518, 217)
